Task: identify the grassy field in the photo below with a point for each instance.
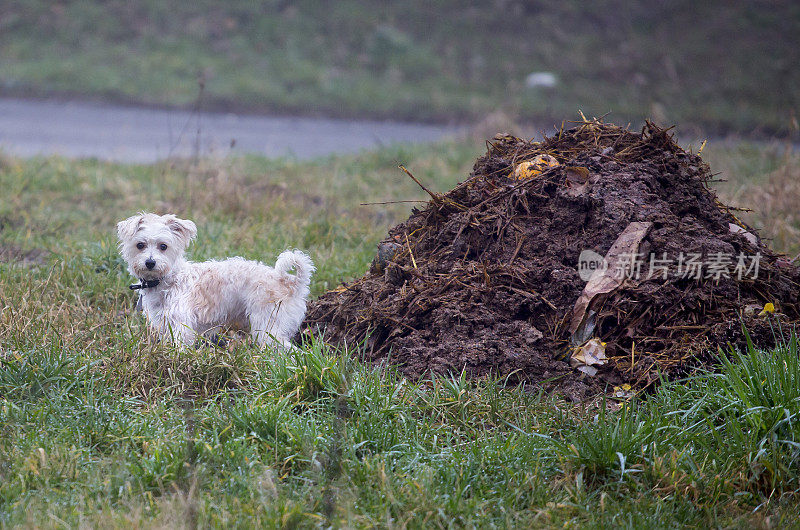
(720, 65)
(100, 428)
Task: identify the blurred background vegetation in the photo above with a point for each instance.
(719, 66)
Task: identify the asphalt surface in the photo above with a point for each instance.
(130, 134)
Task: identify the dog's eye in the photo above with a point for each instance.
(163, 247)
(140, 246)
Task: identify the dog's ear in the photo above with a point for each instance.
(183, 228)
(127, 228)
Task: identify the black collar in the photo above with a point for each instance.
(145, 284)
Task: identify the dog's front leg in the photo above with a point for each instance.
(180, 334)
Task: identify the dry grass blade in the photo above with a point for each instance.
(436, 198)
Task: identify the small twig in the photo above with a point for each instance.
(516, 251)
(534, 295)
(396, 321)
(387, 202)
(413, 261)
(434, 196)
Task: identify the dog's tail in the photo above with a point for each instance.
(300, 262)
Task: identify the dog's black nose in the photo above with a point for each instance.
(150, 263)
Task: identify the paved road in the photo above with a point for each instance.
(130, 134)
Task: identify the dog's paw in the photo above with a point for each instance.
(216, 341)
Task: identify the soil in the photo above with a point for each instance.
(485, 278)
(13, 254)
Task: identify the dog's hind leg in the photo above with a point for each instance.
(264, 329)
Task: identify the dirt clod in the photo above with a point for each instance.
(486, 276)
(13, 254)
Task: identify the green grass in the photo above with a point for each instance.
(721, 65)
(318, 438)
(99, 427)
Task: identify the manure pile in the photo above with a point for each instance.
(486, 277)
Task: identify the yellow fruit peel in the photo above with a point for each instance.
(534, 167)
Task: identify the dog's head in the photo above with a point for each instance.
(152, 244)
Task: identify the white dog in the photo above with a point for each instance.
(183, 300)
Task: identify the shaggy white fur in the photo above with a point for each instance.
(202, 299)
